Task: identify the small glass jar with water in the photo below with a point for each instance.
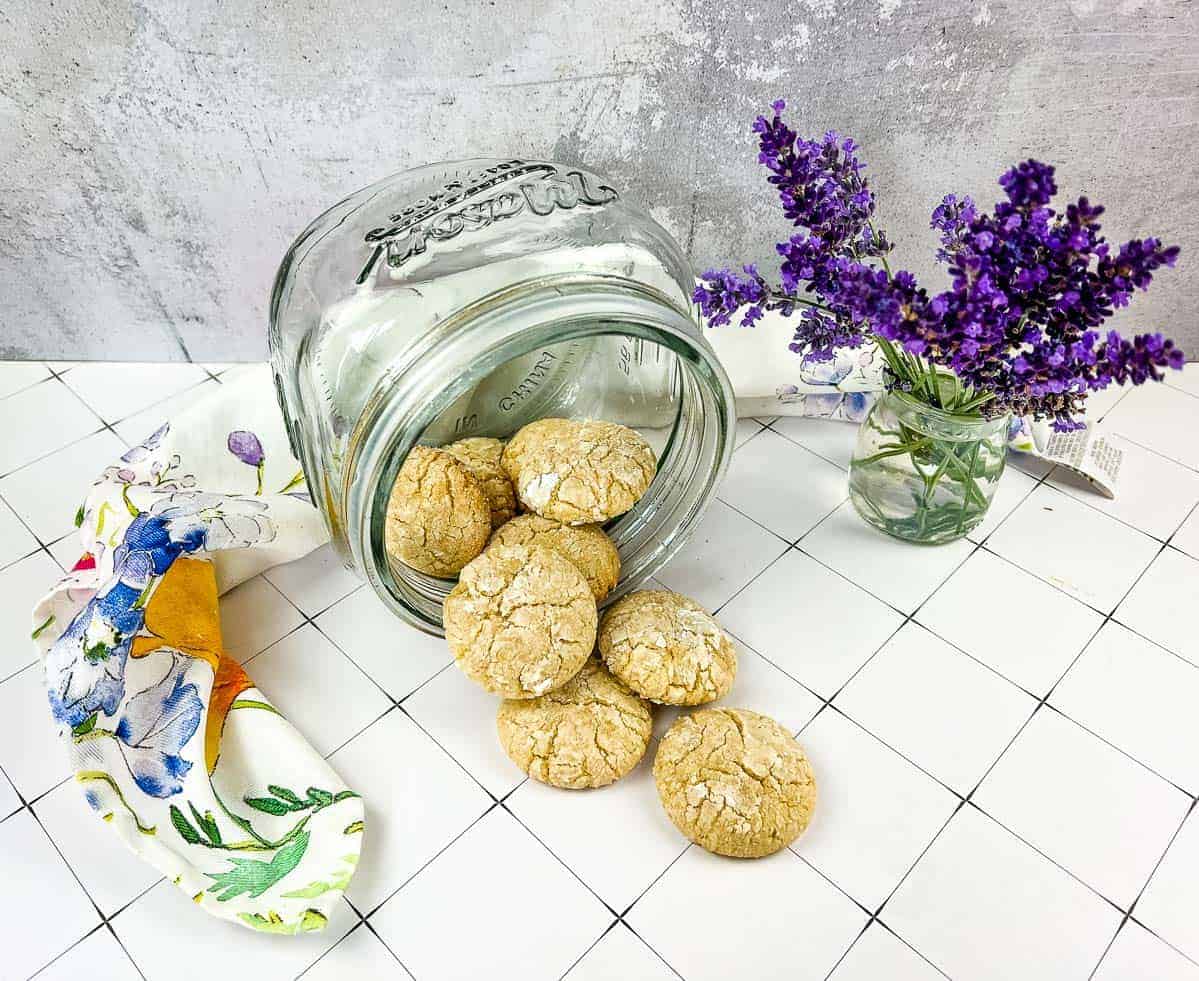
(469, 299)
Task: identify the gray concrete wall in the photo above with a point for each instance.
(157, 158)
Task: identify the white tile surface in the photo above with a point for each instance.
(878, 954)
(783, 486)
(621, 954)
(1101, 816)
(135, 428)
(415, 805)
(726, 552)
(1163, 603)
(9, 801)
(18, 375)
(315, 582)
(1141, 699)
(510, 875)
(317, 688)
(1074, 547)
(791, 616)
(1137, 955)
(21, 585)
(41, 906)
(1031, 640)
(16, 541)
(832, 440)
(40, 420)
(110, 872)
(253, 616)
(793, 924)
(116, 391)
(360, 955)
(983, 905)
(396, 655)
(894, 571)
(875, 813)
(1167, 907)
(30, 751)
(1162, 418)
(48, 493)
(99, 956)
(1186, 379)
(904, 697)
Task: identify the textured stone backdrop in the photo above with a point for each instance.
(157, 158)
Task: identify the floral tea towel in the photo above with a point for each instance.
(169, 740)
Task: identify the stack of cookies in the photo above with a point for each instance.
(523, 622)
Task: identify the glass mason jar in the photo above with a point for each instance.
(471, 298)
(923, 474)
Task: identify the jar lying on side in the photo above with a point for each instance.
(470, 299)
(923, 474)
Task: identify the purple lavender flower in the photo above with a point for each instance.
(244, 445)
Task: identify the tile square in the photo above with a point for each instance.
(1162, 418)
(944, 712)
(417, 801)
(1088, 807)
(40, 420)
(108, 870)
(726, 551)
(1163, 604)
(1074, 547)
(759, 685)
(896, 572)
(1153, 495)
(41, 903)
(718, 918)
(49, 492)
(18, 375)
(983, 905)
(814, 624)
(1167, 907)
(1187, 536)
(832, 440)
(253, 616)
(16, 541)
(359, 955)
(783, 486)
(400, 658)
(169, 938)
(876, 812)
(99, 956)
(578, 828)
(1137, 954)
(1033, 645)
(879, 954)
(317, 688)
(135, 428)
(30, 751)
(620, 954)
(1140, 698)
(21, 585)
(509, 875)
(116, 391)
(1014, 487)
(315, 582)
(461, 717)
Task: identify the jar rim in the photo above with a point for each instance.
(978, 422)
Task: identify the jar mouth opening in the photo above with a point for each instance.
(692, 459)
(950, 425)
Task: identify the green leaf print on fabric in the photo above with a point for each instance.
(309, 920)
(338, 882)
(249, 875)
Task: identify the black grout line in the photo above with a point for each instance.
(615, 924)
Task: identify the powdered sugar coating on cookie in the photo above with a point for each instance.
(587, 547)
(481, 456)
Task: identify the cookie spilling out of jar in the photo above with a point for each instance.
(520, 525)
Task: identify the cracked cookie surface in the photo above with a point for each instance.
(734, 782)
(579, 471)
(588, 733)
(667, 648)
(586, 546)
(521, 621)
(481, 456)
(437, 515)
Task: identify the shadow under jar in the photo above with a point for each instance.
(469, 299)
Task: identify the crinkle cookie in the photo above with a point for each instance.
(521, 621)
(481, 456)
(735, 782)
(591, 551)
(437, 516)
(587, 733)
(579, 472)
(667, 648)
